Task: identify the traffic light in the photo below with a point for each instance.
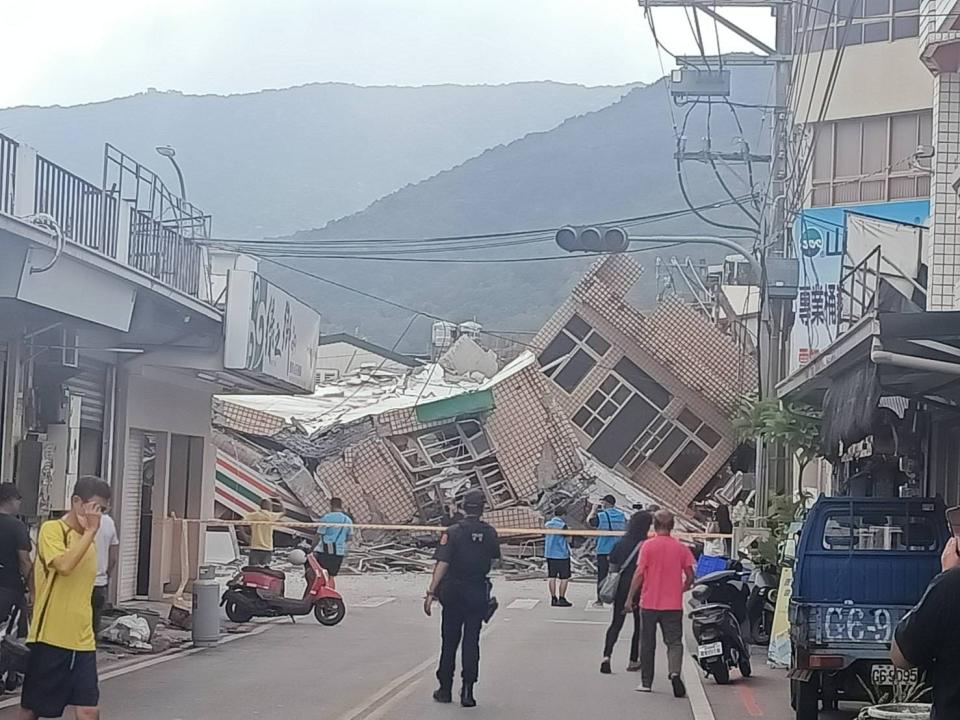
(592, 239)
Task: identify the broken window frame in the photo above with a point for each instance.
(582, 357)
(443, 452)
(657, 434)
(587, 416)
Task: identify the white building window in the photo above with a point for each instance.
(861, 160)
(573, 353)
(822, 24)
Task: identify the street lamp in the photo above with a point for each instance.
(171, 154)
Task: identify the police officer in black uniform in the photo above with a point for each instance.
(460, 582)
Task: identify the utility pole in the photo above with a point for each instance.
(774, 238)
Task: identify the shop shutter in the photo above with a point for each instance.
(129, 520)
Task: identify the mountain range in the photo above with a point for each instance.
(616, 162)
(277, 161)
(328, 163)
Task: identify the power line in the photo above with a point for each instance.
(683, 187)
(379, 367)
(716, 171)
(567, 256)
(547, 234)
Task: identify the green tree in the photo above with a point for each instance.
(794, 425)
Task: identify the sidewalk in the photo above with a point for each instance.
(765, 695)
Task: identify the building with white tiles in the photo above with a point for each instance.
(651, 394)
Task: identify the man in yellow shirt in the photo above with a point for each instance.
(62, 669)
(261, 533)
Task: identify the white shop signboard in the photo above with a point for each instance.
(270, 333)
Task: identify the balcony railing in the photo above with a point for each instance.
(85, 214)
(163, 253)
(137, 221)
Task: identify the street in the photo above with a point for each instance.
(538, 662)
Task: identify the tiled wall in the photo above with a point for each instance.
(683, 351)
(524, 421)
(944, 259)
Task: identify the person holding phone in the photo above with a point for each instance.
(62, 668)
(928, 637)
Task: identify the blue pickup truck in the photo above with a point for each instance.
(861, 564)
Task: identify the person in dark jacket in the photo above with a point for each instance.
(623, 557)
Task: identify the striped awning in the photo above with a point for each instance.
(240, 490)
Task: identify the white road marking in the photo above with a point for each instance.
(523, 604)
(400, 687)
(589, 607)
(579, 622)
(373, 602)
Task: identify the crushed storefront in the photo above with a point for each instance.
(636, 404)
(403, 447)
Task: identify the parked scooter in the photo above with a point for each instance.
(761, 605)
(259, 592)
(720, 601)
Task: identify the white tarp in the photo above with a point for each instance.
(901, 246)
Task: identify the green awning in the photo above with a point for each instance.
(471, 402)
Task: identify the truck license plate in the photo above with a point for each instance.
(890, 675)
(709, 650)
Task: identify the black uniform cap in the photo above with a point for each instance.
(474, 500)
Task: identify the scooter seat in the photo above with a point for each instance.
(279, 574)
(718, 576)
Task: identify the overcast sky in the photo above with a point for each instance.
(63, 52)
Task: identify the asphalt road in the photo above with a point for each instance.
(538, 663)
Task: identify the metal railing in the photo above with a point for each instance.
(161, 238)
(8, 173)
(859, 290)
(86, 215)
(163, 253)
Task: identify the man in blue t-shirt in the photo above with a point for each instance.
(332, 545)
(557, 552)
(606, 516)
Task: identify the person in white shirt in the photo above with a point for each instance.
(108, 551)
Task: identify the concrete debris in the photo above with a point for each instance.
(466, 359)
(615, 401)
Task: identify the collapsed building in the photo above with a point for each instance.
(650, 394)
(613, 401)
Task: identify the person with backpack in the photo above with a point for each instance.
(606, 516)
(623, 562)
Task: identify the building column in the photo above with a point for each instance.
(944, 251)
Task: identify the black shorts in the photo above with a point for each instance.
(558, 568)
(57, 677)
(330, 562)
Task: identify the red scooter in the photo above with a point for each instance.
(259, 592)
